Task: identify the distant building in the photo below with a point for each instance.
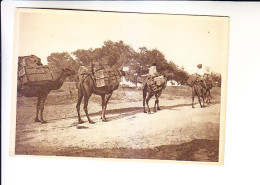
(125, 80)
(173, 83)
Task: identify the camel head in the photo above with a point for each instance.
(68, 71)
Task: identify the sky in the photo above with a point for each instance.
(184, 40)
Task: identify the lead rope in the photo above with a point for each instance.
(128, 97)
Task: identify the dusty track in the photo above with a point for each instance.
(176, 132)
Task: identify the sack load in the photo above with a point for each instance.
(155, 87)
(159, 80)
(156, 83)
(29, 61)
(33, 75)
(191, 80)
(103, 76)
(107, 77)
(32, 72)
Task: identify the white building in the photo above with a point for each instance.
(173, 83)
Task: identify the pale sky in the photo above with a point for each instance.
(185, 40)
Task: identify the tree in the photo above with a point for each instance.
(59, 61)
(216, 78)
(120, 54)
(113, 53)
(84, 57)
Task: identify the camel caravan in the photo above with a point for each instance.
(37, 80)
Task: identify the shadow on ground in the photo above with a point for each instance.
(122, 112)
(196, 150)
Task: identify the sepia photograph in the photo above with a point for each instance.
(120, 85)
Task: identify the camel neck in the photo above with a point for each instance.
(60, 80)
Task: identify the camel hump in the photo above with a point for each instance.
(29, 61)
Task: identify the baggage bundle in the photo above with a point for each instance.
(31, 71)
(104, 75)
(107, 77)
(156, 83)
(159, 80)
(191, 80)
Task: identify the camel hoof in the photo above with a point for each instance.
(104, 120)
(159, 109)
(43, 122)
(37, 120)
(149, 112)
(91, 122)
(193, 107)
(81, 121)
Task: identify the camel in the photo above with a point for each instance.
(157, 93)
(87, 87)
(199, 90)
(41, 91)
(210, 85)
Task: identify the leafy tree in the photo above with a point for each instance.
(59, 61)
(120, 54)
(113, 53)
(216, 78)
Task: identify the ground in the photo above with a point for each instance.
(177, 132)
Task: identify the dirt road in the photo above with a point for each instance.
(176, 132)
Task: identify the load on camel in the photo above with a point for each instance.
(100, 79)
(36, 80)
(200, 90)
(153, 87)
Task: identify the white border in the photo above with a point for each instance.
(242, 120)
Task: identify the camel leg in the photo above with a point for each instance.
(147, 102)
(156, 102)
(210, 97)
(86, 98)
(144, 98)
(203, 96)
(206, 97)
(37, 109)
(158, 107)
(42, 108)
(80, 96)
(105, 107)
(199, 101)
(203, 101)
(193, 96)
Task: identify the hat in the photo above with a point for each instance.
(199, 65)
